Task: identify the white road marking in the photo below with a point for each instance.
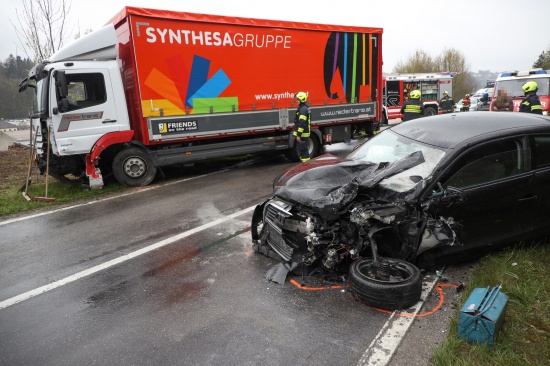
(40, 290)
(138, 190)
(384, 345)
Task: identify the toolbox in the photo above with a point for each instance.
(482, 315)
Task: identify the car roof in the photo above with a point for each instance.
(449, 130)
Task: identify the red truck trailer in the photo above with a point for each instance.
(155, 88)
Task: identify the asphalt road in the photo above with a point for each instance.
(166, 275)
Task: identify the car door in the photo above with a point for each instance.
(540, 163)
(499, 195)
(88, 111)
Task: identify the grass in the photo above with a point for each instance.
(12, 200)
(524, 338)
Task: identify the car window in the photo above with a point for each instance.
(541, 155)
(485, 164)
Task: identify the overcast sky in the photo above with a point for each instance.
(495, 35)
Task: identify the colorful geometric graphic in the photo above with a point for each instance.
(348, 70)
(192, 91)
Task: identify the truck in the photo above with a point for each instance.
(154, 88)
(508, 94)
(431, 86)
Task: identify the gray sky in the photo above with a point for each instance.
(495, 35)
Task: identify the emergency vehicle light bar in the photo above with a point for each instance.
(523, 73)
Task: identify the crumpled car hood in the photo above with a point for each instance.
(327, 189)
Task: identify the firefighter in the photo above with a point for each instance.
(412, 108)
(465, 103)
(531, 102)
(302, 126)
(446, 103)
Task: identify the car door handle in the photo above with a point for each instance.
(109, 121)
(528, 198)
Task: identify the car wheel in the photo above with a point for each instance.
(430, 111)
(133, 167)
(389, 284)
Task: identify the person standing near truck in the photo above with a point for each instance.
(412, 108)
(446, 103)
(465, 103)
(531, 102)
(302, 126)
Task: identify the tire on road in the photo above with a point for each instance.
(314, 148)
(133, 167)
(371, 284)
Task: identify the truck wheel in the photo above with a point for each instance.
(430, 111)
(389, 284)
(133, 167)
(313, 148)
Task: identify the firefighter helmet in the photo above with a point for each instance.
(415, 94)
(467, 95)
(530, 86)
(446, 92)
(301, 96)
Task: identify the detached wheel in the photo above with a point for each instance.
(133, 167)
(389, 284)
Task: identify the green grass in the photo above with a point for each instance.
(525, 336)
(12, 200)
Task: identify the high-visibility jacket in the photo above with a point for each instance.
(447, 105)
(531, 104)
(412, 109)
(302, 121)
(466, 102)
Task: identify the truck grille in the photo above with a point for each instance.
(276, 211)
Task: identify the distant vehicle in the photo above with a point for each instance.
(508, 88)
(430, 191)
(475, 104)
(431, 86)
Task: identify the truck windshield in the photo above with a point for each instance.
(40, 102)
(512, 88)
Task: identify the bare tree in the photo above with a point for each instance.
(450, 60)
(420, 61)
(42, 27)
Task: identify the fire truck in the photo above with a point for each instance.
(508, 93)
(431, 85)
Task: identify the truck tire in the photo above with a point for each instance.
(314, 148)
(133, 167)
(430, 111)
(371, 284)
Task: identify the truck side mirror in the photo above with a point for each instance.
(61, 83)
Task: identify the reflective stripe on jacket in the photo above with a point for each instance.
(531, 104)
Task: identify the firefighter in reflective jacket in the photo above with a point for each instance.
(446, 103)
(302, 126)
(465, 103)
(531, 102)
(412, 108)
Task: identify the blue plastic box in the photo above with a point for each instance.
(482, 315)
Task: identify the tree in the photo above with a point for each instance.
(450, 60)
(42, 27)
(543, 61)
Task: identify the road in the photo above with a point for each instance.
(166, 275)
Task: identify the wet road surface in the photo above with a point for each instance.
(196, 295)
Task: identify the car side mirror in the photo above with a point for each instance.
(453, 196)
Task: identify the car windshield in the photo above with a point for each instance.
(388, 147)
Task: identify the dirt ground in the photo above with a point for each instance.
(14, 166)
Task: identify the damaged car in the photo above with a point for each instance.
(427, 192)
